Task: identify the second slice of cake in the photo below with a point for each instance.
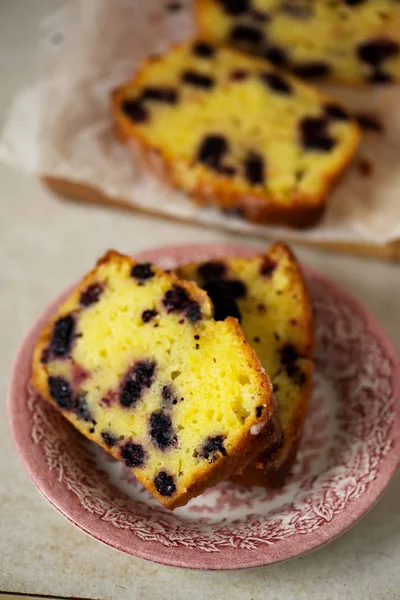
(233, 131)
(269, 295)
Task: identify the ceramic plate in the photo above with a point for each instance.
(348, 453)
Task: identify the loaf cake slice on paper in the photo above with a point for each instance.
(269, 295)
(135, 361)
(348, 41)
(233, 131)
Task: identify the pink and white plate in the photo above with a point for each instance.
(349, 452)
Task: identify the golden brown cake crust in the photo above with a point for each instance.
(257, 206)
(271, 468)
(251, 444)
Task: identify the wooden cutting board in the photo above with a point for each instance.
(82, 192)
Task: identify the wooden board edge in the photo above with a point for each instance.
(85, 193)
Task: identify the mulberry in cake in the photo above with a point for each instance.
(269, 296)
(348, 41)
(233, 131)
(135, 361)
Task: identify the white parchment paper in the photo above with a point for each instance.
(61, 125)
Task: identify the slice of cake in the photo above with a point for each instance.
(135, 361)
(269, 296)
(351, 41)
(233, 131)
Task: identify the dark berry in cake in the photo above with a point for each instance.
(314, 136)
(212, 270)
(374, 52)
(109, 439)
(197, 79)
(165, 484)
(168, 395)
(148, 315)
(178, 300)
(212, 150)
(142, 272)
(235, 288)
(61, 392)
(212, 447)
(203, 49)
(224, 301)
(91, 295)
(246, 33)
(160, 94)
(81, 408)
(135, 110)
(277, 83)
(63, 336)
(161, 431)
(254, 168)
(289, 356)
(138, 379)
(133, 455)
(276, 55)
(235, 7)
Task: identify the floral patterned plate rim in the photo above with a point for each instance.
(348, 454)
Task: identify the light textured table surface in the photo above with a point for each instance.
(44, 245)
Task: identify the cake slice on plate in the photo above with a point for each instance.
(269, 296)
(135, 361)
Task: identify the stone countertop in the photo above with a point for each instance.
(44, 245)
